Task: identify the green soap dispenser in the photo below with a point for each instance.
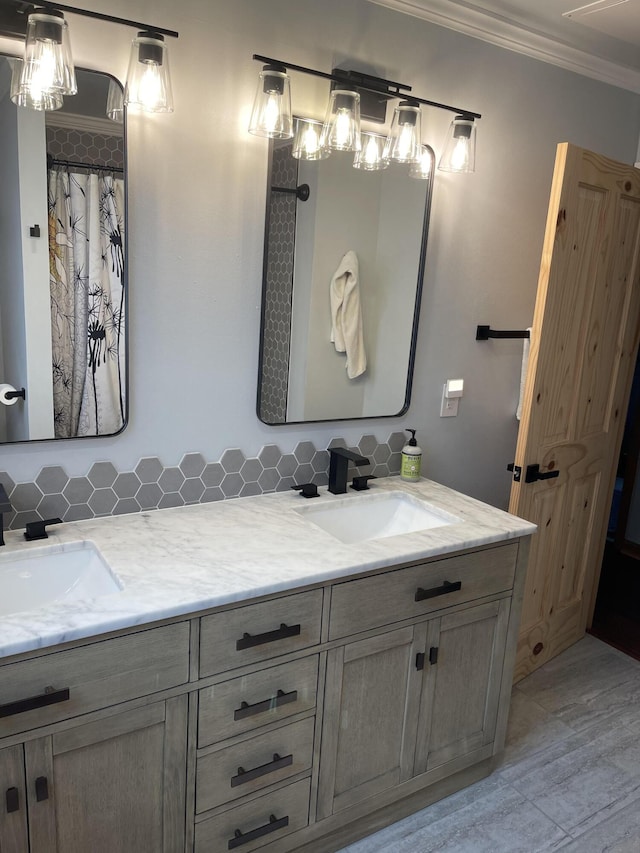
(411, 459)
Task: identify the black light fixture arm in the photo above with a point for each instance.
(25, 9)
(378, 85)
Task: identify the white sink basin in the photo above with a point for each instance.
(53, 574)
(376, 516)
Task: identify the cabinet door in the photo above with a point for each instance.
(115, 785)
(13, 806)
(463, 672)
(370, 717)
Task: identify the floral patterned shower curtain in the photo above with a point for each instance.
(86, 266)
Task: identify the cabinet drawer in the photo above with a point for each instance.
(89, 677)
(245, 703)
(262, 821)
(259, 631)
(230, 773)
(360, 605)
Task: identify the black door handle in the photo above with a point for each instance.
(533, 474)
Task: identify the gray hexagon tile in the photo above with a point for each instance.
(126, 485)
(78, 490)
(251, 470)
(171, 480)
(212, 475)
(25, 498)
(53, 506)
(192, 490)
(106, 491)
(192, 464)
(102, 501)
(231, 485)
(149, 495)
(102, 475)
(52, 480)
(270, 455)
(232, 460)
(304, 451)
(149, 469)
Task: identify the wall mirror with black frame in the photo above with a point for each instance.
(63, 270)
(344, 257)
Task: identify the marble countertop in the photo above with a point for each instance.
(179, 561)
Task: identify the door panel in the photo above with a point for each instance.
(13, 806)
(583, 346)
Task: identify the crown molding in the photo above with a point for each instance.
(88, 124)
(498, 30)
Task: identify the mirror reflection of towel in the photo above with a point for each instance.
(346, 315)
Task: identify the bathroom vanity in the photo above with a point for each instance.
(257, 683)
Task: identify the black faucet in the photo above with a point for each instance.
(5, 506)
(339, 467)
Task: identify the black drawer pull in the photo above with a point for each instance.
(13, 800)
(42, 789)
(245, 837)
(49, 697)
(281, 633)
(446, 587)
(256, 772)
(281, 698)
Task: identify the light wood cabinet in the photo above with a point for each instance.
(114, 785)
(403, 702)
(292, 723)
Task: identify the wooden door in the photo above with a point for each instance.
(583, 346)
(13, 805)
(370, 717)
(464, 657)
(114, 785)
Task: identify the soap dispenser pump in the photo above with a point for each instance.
(411, 459)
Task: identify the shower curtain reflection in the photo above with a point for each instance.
(86, 271)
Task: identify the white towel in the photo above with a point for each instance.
(523, 372)
(346, 315)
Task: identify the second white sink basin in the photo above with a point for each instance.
(376, 516)
(55, 573)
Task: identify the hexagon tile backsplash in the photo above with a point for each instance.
(105, 491)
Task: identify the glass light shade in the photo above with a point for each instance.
(115, 102)
(48, 67)
(404, 143)
(370, 157)
(423, 169)
(271, 114)
(148, 86)
(306, 142)
(41, 101)
(341, 128)
(459, 154)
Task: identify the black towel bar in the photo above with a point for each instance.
(483, 333)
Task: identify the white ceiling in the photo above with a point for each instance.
(597, 38)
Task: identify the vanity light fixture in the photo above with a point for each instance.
(423, 168)
(148, 85)
(371, 158)
(404, 142)
(26, 97)
(306, 141)
(459, 154)
(357, 92)
(341, 128)
(48, 73)
(271, 114)
(47, 68)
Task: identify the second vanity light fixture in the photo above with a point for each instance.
(354, 93)
(47, 72)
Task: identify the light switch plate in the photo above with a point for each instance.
(449, 406)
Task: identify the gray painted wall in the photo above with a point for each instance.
(196, 214)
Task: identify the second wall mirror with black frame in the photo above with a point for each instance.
(340, 239)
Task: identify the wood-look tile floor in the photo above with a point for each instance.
(570, 776)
